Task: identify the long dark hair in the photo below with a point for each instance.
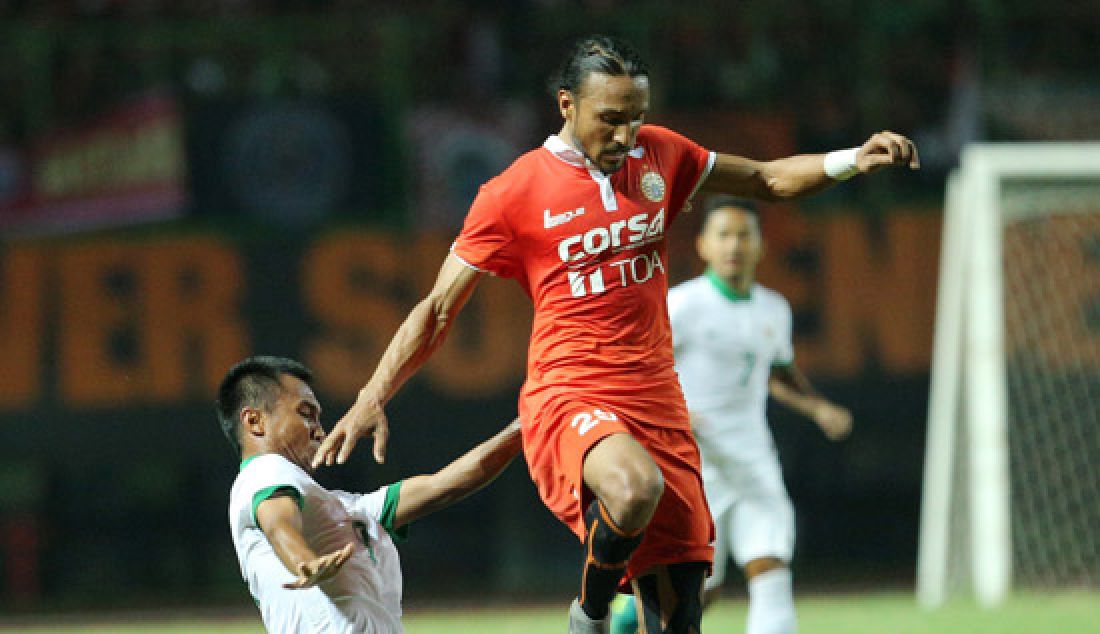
(597, 54)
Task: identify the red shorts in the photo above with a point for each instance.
(555, 442)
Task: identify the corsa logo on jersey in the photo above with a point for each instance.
(639, 230)
(618, 236)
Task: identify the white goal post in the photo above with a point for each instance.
(967, 494)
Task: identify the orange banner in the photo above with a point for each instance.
(158, 319)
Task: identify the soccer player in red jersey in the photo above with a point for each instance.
(580, 224)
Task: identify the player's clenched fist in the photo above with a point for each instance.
(365, 417)
(886, 149)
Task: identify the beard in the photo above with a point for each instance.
(616, 164)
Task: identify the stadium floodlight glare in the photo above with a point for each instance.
(1012, 461)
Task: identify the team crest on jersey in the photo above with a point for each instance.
(653, 186)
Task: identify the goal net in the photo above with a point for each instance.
(1011, 494)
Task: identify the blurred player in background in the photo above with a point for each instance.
(580, 224)
(317, 560)
(732, 341)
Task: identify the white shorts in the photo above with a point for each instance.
(753, 514)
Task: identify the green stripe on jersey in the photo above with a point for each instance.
(389, 511)
(263, 494)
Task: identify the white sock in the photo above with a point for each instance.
(771, 606)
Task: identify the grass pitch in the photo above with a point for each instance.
(1077, 613)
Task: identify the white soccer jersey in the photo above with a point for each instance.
(365, 596)
(725, 348)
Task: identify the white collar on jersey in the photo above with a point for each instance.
(571, 155)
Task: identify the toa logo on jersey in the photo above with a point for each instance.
(619, 236)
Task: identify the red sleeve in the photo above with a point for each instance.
(690, 163)
(486, 239)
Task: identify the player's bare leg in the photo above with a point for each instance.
(670, 598)
(771, 604)
(622, 475)
(627, 485)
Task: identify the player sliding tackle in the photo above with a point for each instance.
(580, 224)
(317, 560)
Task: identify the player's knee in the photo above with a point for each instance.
(645, 487)
(633, 498)
(625, 478)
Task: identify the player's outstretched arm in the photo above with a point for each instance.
(422, 332)
(789, 386)
(281, 521)
(806, 174)
(314, 571)
(426, 494)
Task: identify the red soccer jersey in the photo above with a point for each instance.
(590, 251)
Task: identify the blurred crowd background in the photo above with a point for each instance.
(185, 184)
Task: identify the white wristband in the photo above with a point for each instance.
(841, 164)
